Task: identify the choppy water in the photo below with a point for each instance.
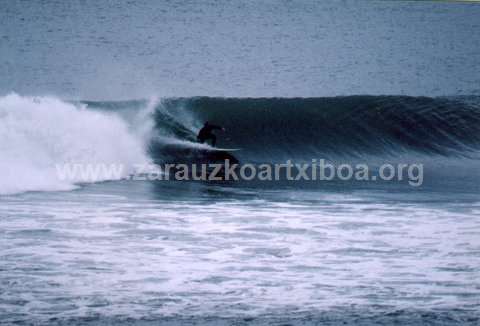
(144, 251)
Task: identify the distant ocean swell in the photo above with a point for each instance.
(38, 132)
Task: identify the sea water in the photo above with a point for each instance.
(115, 83)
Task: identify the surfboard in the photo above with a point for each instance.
(223, 149)
(173, 153)
(218, 154)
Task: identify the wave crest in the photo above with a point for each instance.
(38, 133)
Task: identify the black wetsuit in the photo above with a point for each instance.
(206, 133)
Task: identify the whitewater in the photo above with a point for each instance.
(39, 132)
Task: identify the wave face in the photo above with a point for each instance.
(268, 129)
(38, 133)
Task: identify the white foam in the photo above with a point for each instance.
(38, 133)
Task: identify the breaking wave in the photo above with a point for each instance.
(36, 133)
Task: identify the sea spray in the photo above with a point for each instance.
(38, 133)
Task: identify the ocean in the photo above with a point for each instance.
(392, 86)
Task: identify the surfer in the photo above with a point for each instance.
(206, 133)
